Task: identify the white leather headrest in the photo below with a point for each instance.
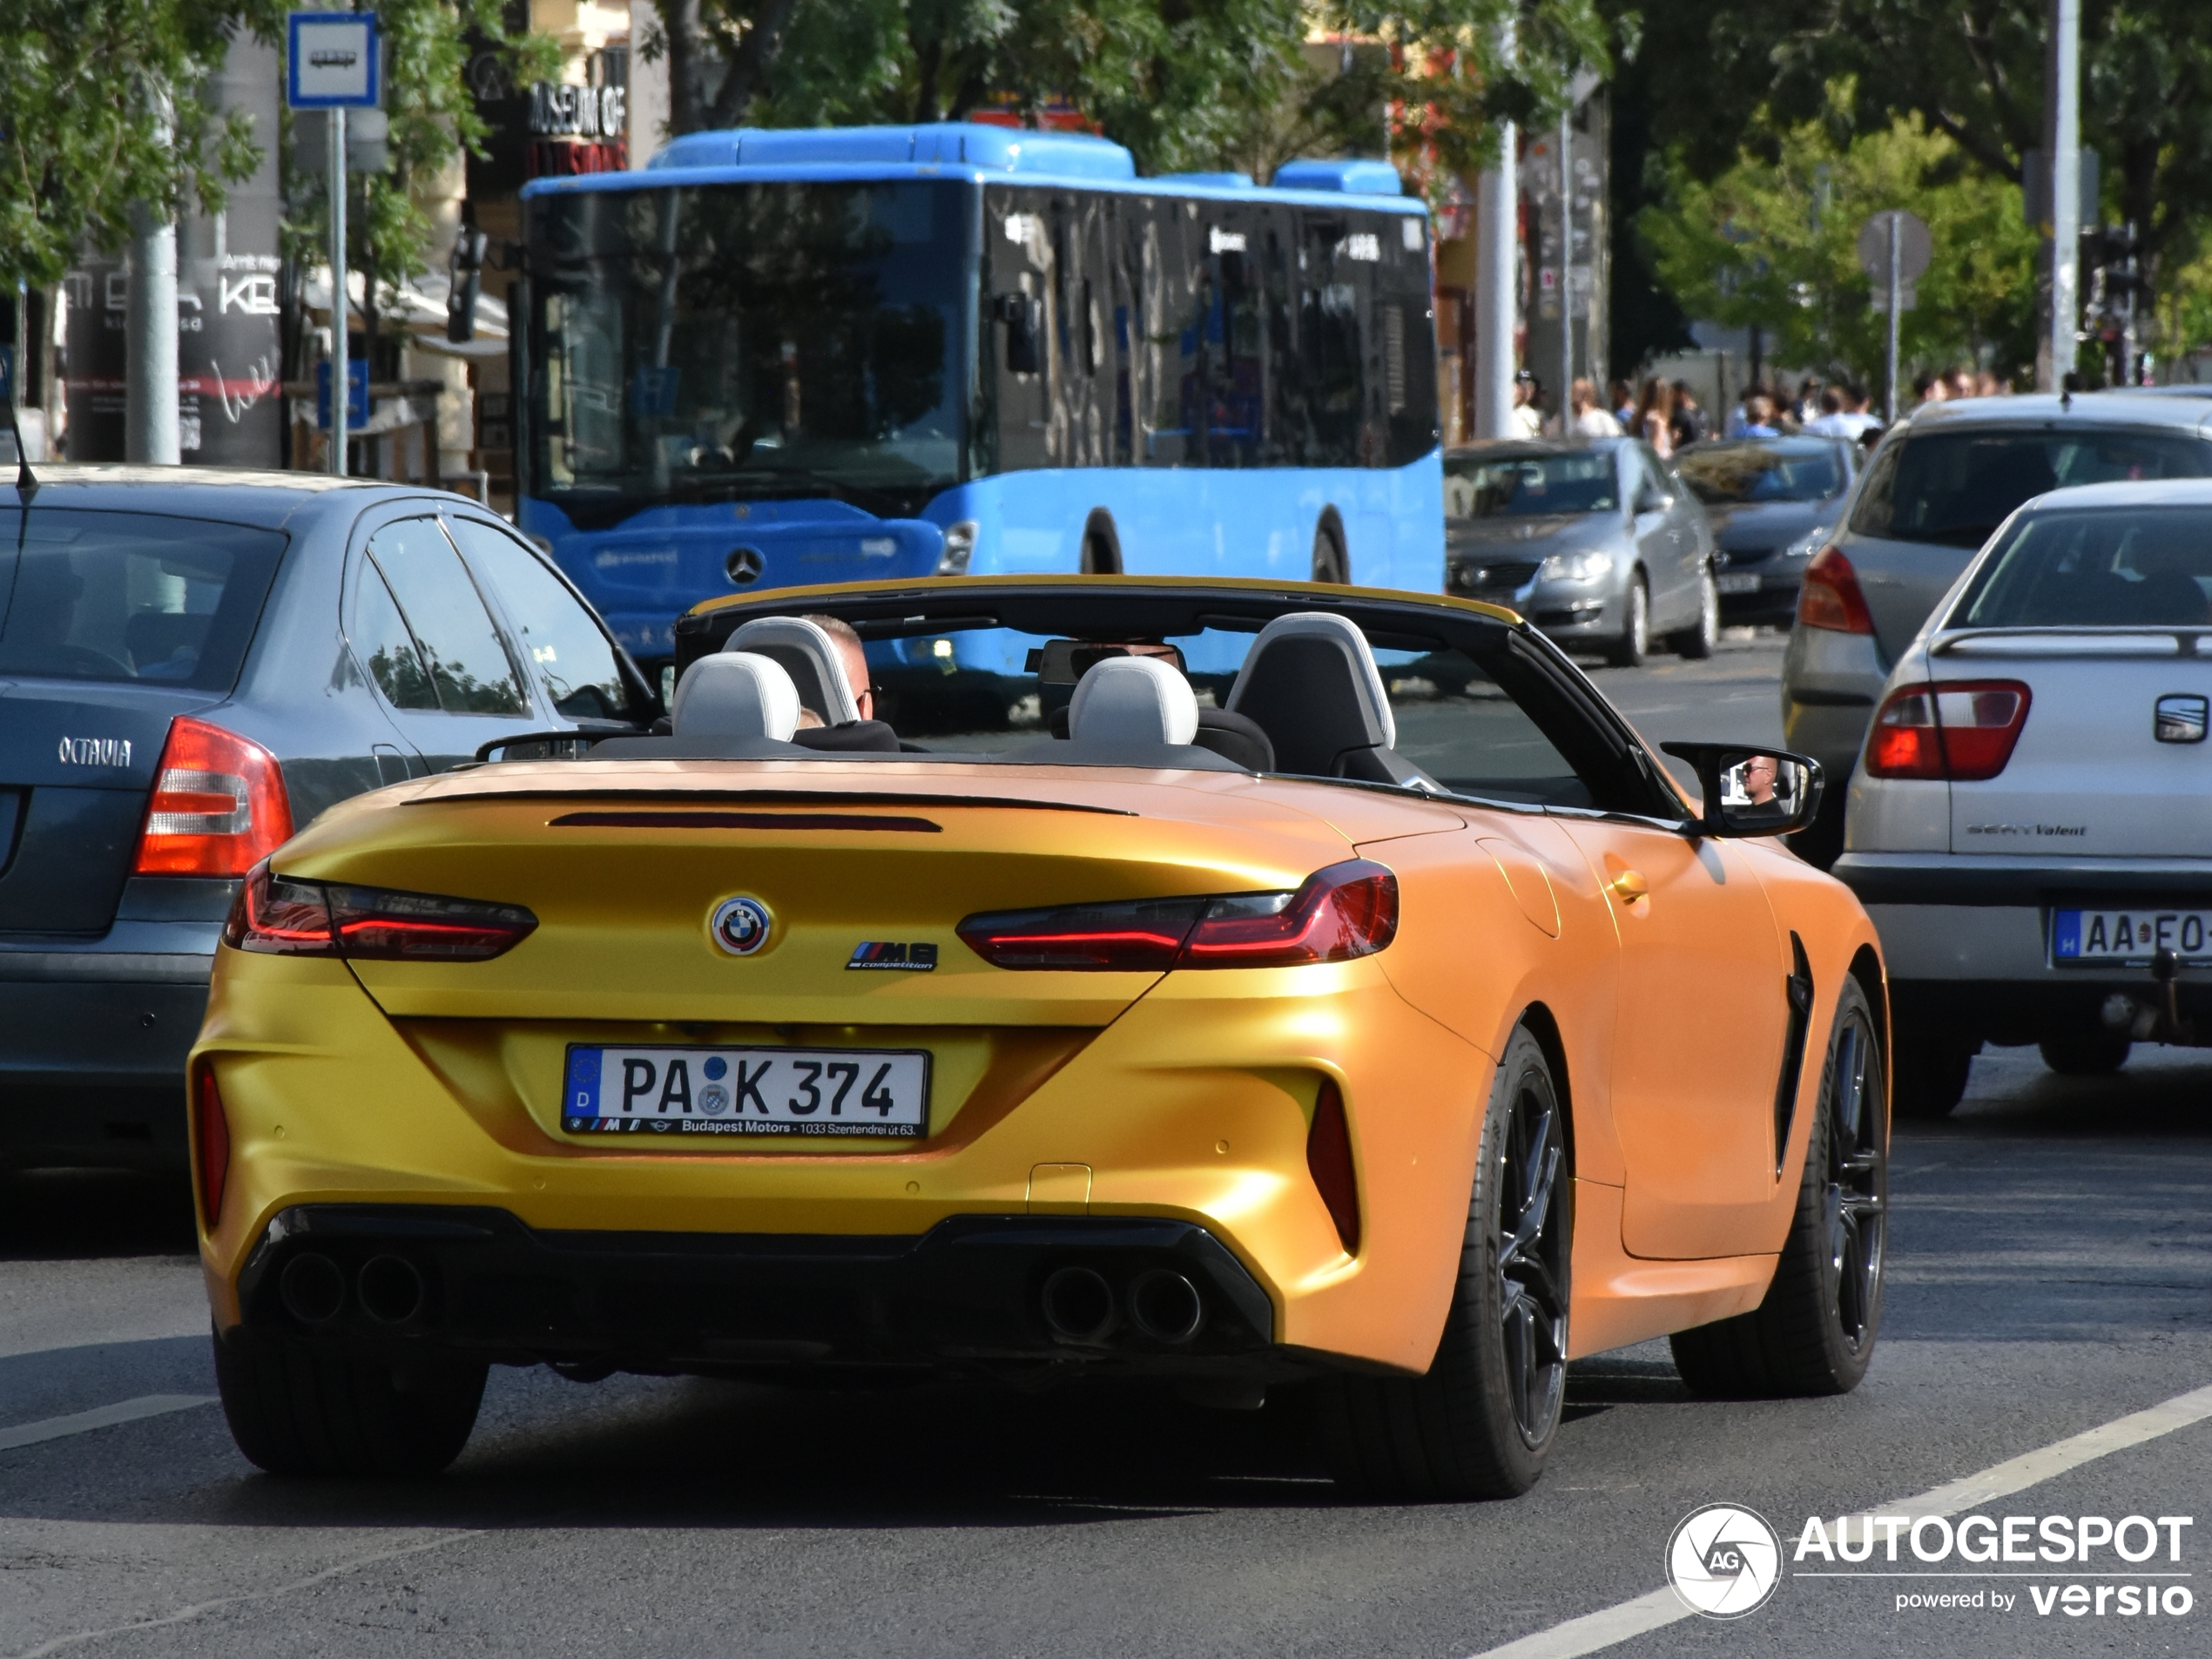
(809, 656)
(1366, 678)
(735, 694)
(1133, 699)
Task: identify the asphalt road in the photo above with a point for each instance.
(2051, 1272)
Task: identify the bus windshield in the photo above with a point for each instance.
(740, 342)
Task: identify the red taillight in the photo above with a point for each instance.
(278, 916)
(1328, 1159)
(1348, 910)
(1963, 729)
(219, 804)
(214, 1137)
(1830, 597)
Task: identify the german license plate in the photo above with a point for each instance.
(680, 1093)
(1742, 582)
(2079, 936)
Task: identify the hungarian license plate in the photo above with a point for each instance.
(675, 1092)
(2080, 936)
(1742, 582)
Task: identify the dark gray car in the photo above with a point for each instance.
(1772, 501)
(193, 664)
(1595, 542)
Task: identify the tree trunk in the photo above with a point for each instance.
(754, 59)
(689, 53)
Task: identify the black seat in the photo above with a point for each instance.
(1311, 684)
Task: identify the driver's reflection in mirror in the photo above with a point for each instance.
(1754, 780)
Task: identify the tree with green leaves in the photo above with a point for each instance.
(1772, 243)
(1185, 84)
(102, 105)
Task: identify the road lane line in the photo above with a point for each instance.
(199, 1609)
(1607, 1627)
(128, 1411)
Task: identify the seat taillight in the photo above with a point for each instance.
(1830, 597)
(1345, 911)
(217, 805)
(1963, 731)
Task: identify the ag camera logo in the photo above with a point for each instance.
(740, 926)
(1724, 1561)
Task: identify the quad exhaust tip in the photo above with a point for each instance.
(312, 1288)
(1163, 1306)
(390, 1289)
(1079, 1305)
(1166, 1306)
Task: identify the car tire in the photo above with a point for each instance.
(2097, 1054)
(1815, 1331)
(1330, 564)
(1634, 644)
(1928, 1078)
(299, 1405)
(1481, 1422)
(1695, 644)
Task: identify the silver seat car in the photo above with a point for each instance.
(1942, 481)
(2030, 826)
(1594, 541)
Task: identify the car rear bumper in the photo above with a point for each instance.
(1133, 1294)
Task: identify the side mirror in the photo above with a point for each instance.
(1023, 315)
(1752, 792)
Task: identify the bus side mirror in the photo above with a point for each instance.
(1023, 315)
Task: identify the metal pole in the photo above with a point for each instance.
(1497, 244)
(2062, 118)
(149, 342)
(1894, 286)
(339, 387)
(1566, 269)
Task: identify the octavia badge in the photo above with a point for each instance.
(740, 926)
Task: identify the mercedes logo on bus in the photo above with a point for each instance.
(742, 566)
(740, 926)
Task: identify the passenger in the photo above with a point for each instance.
(852, 655)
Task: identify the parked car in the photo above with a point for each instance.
(2031, 826)
(1771, 502)
(1941, 482)
(193, 665)
(1596, 542)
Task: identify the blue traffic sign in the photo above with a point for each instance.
(332, 60)
(356, 393)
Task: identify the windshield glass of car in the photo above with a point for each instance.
(129, 597)
(1762, 470)
(730, 341)
(2133, 566)
(978, 691)
(1955, 488)
(1575, 481)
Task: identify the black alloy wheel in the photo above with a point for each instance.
(1481, 1422)
(1815, 1331)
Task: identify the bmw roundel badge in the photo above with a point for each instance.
(740, 926)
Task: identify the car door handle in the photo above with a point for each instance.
(1628, 887)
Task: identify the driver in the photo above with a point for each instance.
(1758, 775)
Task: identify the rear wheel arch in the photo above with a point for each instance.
(1538, 1021)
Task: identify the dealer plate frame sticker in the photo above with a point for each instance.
(707, 1092)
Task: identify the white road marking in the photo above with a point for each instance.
(199, 1609)
(1607, 1627)
(127, 1411)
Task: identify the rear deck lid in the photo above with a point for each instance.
(111, 624)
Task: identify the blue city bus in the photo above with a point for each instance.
(776, 358)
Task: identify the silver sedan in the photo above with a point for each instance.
(1596, 542)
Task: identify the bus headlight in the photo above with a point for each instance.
(960, 547)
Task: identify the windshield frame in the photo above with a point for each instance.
(954, 239)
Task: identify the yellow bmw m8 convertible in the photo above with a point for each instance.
(1255, 987)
